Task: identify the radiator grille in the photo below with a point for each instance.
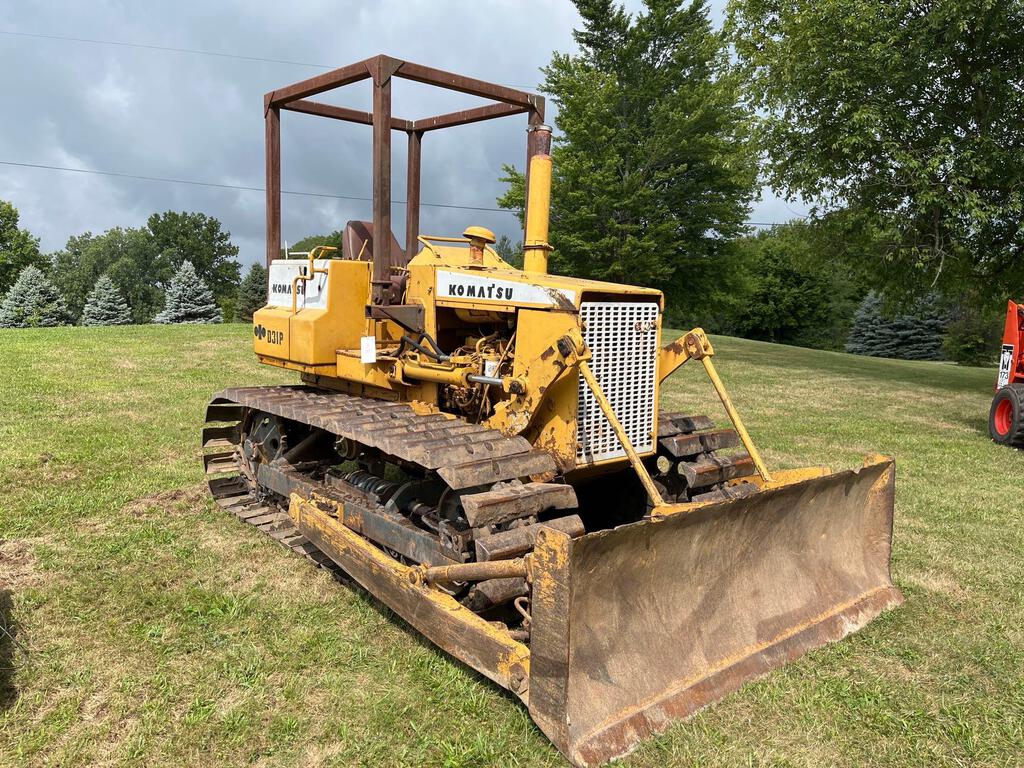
(623, 337)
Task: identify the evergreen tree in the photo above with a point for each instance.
(653, 174)
(188, 299)
(512, 254)
(18, 248)
(105, 305)
(913, 336)
(32, 302)
(252, 292)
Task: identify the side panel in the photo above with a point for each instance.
(270, 336)
(332, 317)
(1011, 358)
(554, 427)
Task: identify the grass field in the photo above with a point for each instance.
(153, 629)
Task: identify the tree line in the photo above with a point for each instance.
(179, 268)
(897, 121)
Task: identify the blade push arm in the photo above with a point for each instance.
(691, 346)
(695, 345)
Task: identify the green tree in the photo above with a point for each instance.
(189, 300)
(306, 244)
(803, 282)
(125, 255)
(18, 249)
(200, 240)
(652, 173)
(252, 292)
(910, 336)
(905, 113)
(512, 254)
(105, 305)
(790, 298)
(975, 332)
(32, 302)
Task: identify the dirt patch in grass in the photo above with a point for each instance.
(17, 566)
(177, 502)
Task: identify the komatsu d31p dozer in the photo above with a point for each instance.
(480, 447)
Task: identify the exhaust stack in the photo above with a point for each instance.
(538, 201)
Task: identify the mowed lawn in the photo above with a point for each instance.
(153, 629)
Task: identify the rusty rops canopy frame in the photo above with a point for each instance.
(380, 69)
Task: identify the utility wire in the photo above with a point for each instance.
(219, 54)
(239, 187)
(243, 188)
(193, 51)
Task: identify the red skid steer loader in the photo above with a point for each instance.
(1006, 416)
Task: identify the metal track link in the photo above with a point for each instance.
(464, 455)
(691, 443)
(233, 495)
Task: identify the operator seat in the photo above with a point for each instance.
(357, 244)
(358, 234)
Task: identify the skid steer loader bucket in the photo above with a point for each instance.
(645, 624)
(638, 626)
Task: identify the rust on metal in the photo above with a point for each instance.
(487, 471)
(412, 194)
(512, 501)
(717, 469)
(381, 278)
(518, 568)
(673, 423)
(380, 70)
(467, 116)
(487, 594)
(272, 120)
(814, 557)
(691, 444)
(342, 113)
(518, 541)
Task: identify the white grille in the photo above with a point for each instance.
(623, 337)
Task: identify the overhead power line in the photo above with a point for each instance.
(243, 188)
(239, 187)
(192, 51)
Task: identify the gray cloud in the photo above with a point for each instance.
(186, 116)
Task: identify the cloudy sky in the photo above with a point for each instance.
(131, 109)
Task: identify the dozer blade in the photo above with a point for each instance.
(641, 625)
(638, 626)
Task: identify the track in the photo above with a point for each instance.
(464, 491)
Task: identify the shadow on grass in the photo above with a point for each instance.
(10, 651)
(385, 611)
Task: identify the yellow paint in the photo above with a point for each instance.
(324, 344)
(271, 338)
(670, 357)
(538, 213)
(695, 345)
(549, 416)
(322, 515)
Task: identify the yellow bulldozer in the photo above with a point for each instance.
(481, 448)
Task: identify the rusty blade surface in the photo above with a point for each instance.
(667, 616)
